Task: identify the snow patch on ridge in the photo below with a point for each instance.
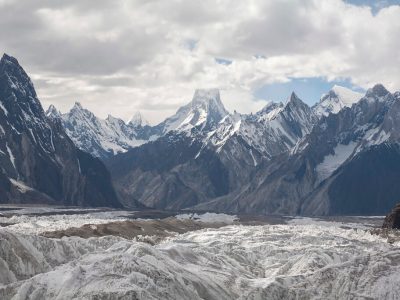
(3, 109)
(334, 161)
(11, 156)
(22, 187)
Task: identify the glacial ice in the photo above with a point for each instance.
(305, 259)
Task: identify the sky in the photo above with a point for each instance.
(122, 56)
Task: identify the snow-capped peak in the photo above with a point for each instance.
(335, 100)
(347, 96)
(79, 112)
(7, 58)
(77, 105)
(53, 112)
(205, 110)
(270, 111)
(210, 97)
(114, 121)
(100, 137)
(206, 95)
(293, 99)
(138, 120)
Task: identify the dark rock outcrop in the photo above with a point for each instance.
(392, 220)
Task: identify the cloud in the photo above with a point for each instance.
(121, 56)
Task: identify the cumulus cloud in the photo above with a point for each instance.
(121, 56)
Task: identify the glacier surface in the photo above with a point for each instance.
(304, 259)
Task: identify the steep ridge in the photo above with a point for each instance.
(244, 141)
(101, 138)
(39, 163)
(346, 165)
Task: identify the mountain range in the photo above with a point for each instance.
(340, 156)
(286, 159)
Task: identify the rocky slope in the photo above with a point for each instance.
(177, 166)
(348, 164)
(39, 163)
(208, 154)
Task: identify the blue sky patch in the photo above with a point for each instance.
(376, 5)
(223, 61)
(308, 89)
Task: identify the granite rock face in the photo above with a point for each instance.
(38, 161)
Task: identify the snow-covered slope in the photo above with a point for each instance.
(203, 112)
(101, 138)
(374, 122)
(336, 99)
(273, 130)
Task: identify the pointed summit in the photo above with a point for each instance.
(378, 90)
(294, 101)
(81, 112)
(115, 121)
(206, 95)
(293, 98)
(270, 106)
(13, 77)
(11, 68)
(8, 59)
(335, 100)
(52, 112)
(209, 100)
(269, 111)
(138, 120)
(347, 96)
(77, 105)
(204, 111)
